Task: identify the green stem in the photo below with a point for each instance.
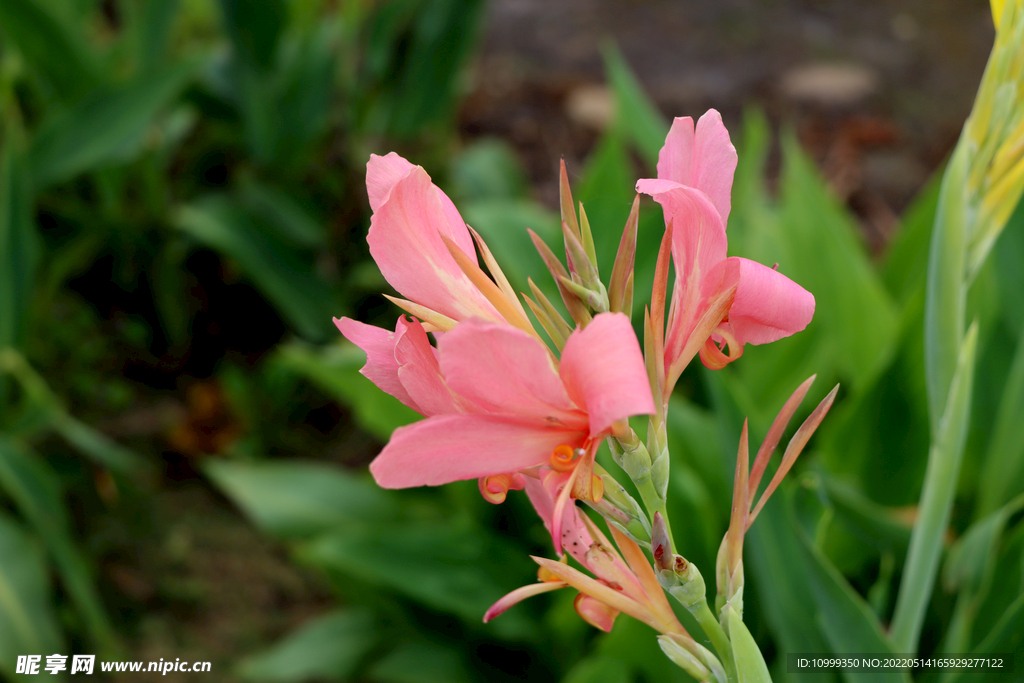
(940, 482)
(714, 631)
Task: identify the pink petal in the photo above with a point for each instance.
(595, 612)
(381, 366)
(675, 160)
(520, 594)
(575, 537)
(704, 159)
(420, 373)
(714, 162)
(405, 241)
(382, 174)
(768, 305)
(603, 370)
(447, 448)
(501, 369)
(698, 245)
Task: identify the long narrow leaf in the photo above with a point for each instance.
(936, 504)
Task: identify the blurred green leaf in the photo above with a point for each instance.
(487, 169)
(970, 569)
(28, 624)
(417, 49)
(52, 45)
(1002, 471)
(1005, 637)
(877, 522)
(325, 648)
(108, 126)
(254, 27)
(335, 369)
(19, 241)
(503, 223)
(853, 311)
(290, 221)
(845, 619)
(420, 663)
(1008, 255)
(936, 504)
(153, 32)
(33, 487)
(450, 566)
(636, 115)
(906, 259)
(598, 669)
(300, 499)
(634, 645)
(283, 275)
(607, 192)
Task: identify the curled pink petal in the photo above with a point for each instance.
(603, 370)
(381, 365)
(768, 305)
(382, 174)
(520, 594)
(405, 241)
(420, 373)
(447, 448)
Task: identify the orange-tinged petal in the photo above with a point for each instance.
(520, 594)
(595, 612)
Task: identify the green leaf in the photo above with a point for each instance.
(599, 669)
(300, 499)
(19, 242)
(420, 663)
(1005, 637)
(152, 32)
(449, 566)
(33, 487)
(636, 115)
(847, 622)
(290, 221)
(417, 51)
(255, 27)
(28, 624)
(1002, 470)
(335, 369)
(51, 45)
(283, 275)
(487, 169)
(503, 223)
(936, 503)
(750, 666)
(607, 191)
(906, 259)
(324, 648)
(108, 126)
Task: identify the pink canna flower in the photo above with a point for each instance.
(623, 579)
(497, 405)
(717, 302)
(426, 251)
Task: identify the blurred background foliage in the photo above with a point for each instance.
(182, 213)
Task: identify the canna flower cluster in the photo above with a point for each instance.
(513, 411)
